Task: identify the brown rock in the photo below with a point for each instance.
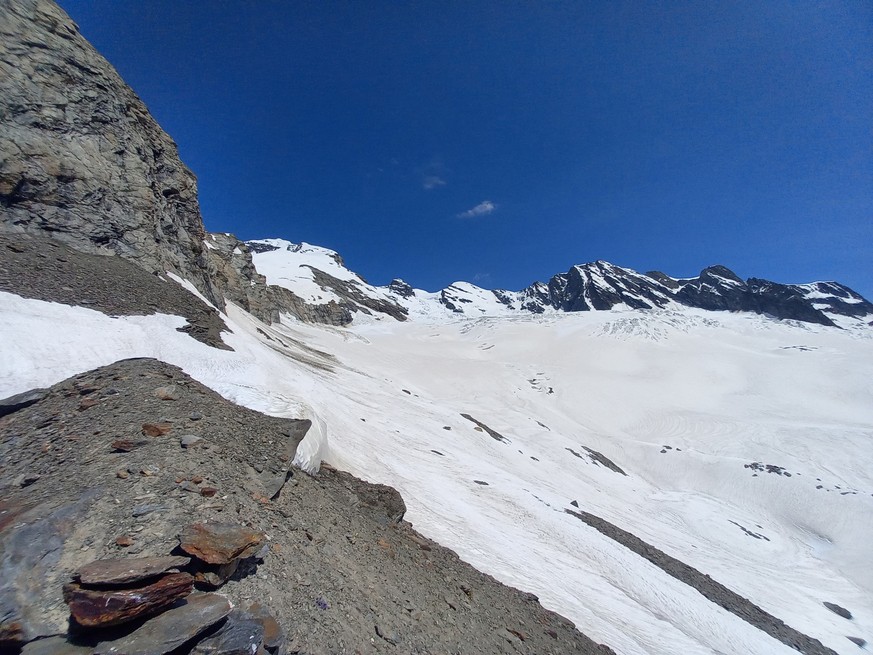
(208, 492)
(87, 403)
(122, 475)
(124, 541)
(197, 479)
(168, 393)
(156, 429)
(126, 570)
(168, 631)
(126, 445)
(106, 607)
(220, 543)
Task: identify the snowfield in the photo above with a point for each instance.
(691, 405)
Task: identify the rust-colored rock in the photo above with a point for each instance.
(208, 492)
(220, 543)
(156, 429)
(124, 541)
(122, 571)
(106, 607)
(126, 445)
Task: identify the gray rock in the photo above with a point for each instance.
(169, 630)
(858, 641)
(143, 510)
(839, 611)
(21, 400)
(190, 440)
(57, 645)
(30, 593)
(239, 635)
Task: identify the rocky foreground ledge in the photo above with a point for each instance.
(121, 461)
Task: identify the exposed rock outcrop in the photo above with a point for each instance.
(82, 159)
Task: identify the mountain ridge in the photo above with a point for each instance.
(593, 286)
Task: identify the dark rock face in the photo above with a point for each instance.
(401, 288)
(82, 158)
(601, 285)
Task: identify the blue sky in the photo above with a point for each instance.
(502, 142)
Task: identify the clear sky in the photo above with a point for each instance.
(502, 142)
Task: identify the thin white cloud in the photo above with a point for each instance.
(482, 209)
(432, 182)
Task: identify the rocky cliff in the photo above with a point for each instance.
(84, 162)
(81, 158)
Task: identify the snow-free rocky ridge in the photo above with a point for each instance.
(685, 469)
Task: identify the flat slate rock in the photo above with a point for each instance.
(220, 543)
(239, 635)
(167, 631)
(126, 570)
(57, 645)
(106, 607)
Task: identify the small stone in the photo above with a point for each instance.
(122, 474)
(208, 492)
(167, 631)
(220, 543)
(87, 403)
(26, 479)
(101, 608)
(574, 503)
(858, 641)
(190, 440)
(197, 479)
(126, 570)
(156, 429)
(839, 611)
(126, 445)
(170, 392)
(187, 485)
(142, 510)
(195, 416)
(124, 541)
(149, 471)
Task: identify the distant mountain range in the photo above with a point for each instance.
(319, 275)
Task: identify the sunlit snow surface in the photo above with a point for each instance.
(722, 390)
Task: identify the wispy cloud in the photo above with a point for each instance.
(482, 209)
(432, 182)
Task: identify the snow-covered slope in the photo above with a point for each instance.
(319, 275)
(692, 407)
